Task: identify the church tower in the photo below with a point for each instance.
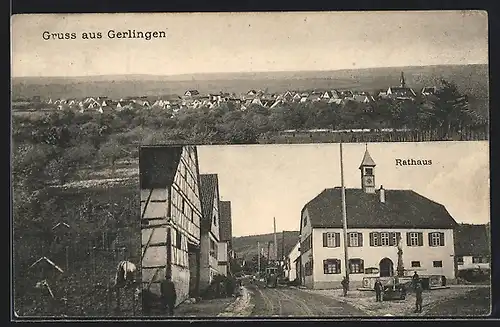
(367, 168)
(402, 80)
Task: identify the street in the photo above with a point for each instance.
(284, 301)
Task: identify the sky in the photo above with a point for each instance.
(247, 42)
(266, 181)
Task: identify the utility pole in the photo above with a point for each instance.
(268, 251)
(283, 253)
(344, 214)
(258, 257)
(275, 246)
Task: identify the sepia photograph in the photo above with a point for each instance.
(330, 230)
(89, 90)
(280, 77)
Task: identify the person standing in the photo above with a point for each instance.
(379, 289)
(418, 296)
(168, 295)
(415, 279)
(345, 285)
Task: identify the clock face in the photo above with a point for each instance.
(369, 180)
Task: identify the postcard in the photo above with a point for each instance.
(239, 117)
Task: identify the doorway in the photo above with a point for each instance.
(386, 267)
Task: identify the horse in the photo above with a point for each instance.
(125, 274)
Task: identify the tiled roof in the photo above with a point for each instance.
(472, 240)
(157, 165)
(402, 209)
(225, 219)
(208, 187)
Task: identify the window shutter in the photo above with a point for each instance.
(430, 239)
(420, 239)
(372, 243)
(325, 265)
(361, 265)
(408, 239)
(337, 240)
(441, 239)
(360, 239)
(398, 238)
(339, 266)
(379, 241)
(325, 241)
(349, 239)
(391, 239)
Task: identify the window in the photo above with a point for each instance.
(415, 264)
(436, 239)
(331, 266)
(369, 171)
(394, 238)
(178, 239)
(213, 249)
(356, 266)
(384, 239)
(192, 215)
(460, 260)
(437, 264)
(355, 239)
(183, 208)
(331, 240)
(414, 239)
(215, 219)
(305, 221)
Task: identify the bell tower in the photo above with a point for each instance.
(367, 169)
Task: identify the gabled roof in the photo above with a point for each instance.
(61, 224)
(158, 165)
(225, 219)
(402, 209)
(208, 189)
(367, 160)
(402, 92)
(472, 240)
(48, 261)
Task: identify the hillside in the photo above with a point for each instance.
(246, 246)
(471, 79)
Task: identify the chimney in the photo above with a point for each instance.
(382, 194)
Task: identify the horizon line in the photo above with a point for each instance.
(244, 72)
(298, 231)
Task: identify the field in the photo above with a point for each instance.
(88, 253)
(470, 79)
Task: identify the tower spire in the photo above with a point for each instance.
(402, 80)
(367, 168)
